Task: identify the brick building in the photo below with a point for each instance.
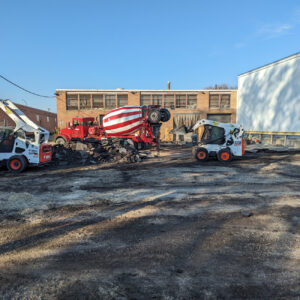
(186, 106)
(40, 117)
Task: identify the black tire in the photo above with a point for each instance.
(165, 115)
(201, 154)
(154, 116)
(60, 141)
(17, 164)
(224, 155)
(143, 146)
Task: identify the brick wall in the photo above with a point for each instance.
(64, 116)
(40, 117)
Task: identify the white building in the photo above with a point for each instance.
(269, 97)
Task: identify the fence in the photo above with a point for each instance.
(290, 139)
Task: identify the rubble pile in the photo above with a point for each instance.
(108, 150)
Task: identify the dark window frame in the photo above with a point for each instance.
(119, 97)
(172, 106)
(102, 102)
(181, 101)
(68, 100)
(189, 98)
(84, 101)
(219, 101)
(106, 99)
(145, 98)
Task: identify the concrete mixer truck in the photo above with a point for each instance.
(140, 124)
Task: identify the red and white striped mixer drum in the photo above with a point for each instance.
(123, 121)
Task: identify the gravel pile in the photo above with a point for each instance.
(94, 153)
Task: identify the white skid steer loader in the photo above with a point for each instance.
(25, 144)
(221, 140)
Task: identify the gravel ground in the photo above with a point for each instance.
(164, 228)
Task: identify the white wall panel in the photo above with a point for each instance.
(269, 98)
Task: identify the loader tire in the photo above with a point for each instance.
(154, 116)
(224, 155)
(201, 154)
(165, 115)
(17, 164)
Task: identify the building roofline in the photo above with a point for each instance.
(279, 61)
(36, 109)
(132, 90)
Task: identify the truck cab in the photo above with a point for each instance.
(77, 130)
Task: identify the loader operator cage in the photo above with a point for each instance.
(7, 139)
(213, 135)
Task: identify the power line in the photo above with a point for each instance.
(25, 89)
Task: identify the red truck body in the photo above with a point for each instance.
(142, 129)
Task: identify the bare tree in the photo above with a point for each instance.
(223, 86)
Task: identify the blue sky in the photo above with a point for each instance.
(138, 44)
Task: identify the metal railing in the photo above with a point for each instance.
(274, 134)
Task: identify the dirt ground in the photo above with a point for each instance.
(164, 228)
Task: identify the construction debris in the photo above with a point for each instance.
(109, 150)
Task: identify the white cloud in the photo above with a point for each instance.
(270, 31)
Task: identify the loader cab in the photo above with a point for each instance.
(213, 135)
(7, 140)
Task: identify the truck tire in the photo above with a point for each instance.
(154, 116)
(201, 154)
(60, 141)
(17, 164)
(224, 155)
(165, 115)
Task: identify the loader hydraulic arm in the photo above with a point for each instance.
(21, 120)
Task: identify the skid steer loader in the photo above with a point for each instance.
(25, 144)
(221, 140)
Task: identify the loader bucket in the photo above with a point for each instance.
(181, 130)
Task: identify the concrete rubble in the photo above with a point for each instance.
(114, 150)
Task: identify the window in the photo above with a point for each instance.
(217, 101)
(48, 120)
(169, 101)
(38, 118)
(85, 102)
(145, 100)
(110, 101)
(225, 101)
(180, 101)
(214, 101)
(192, 101)
(98, 101)
(122, 100)
(157, 100)
(72, 102)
